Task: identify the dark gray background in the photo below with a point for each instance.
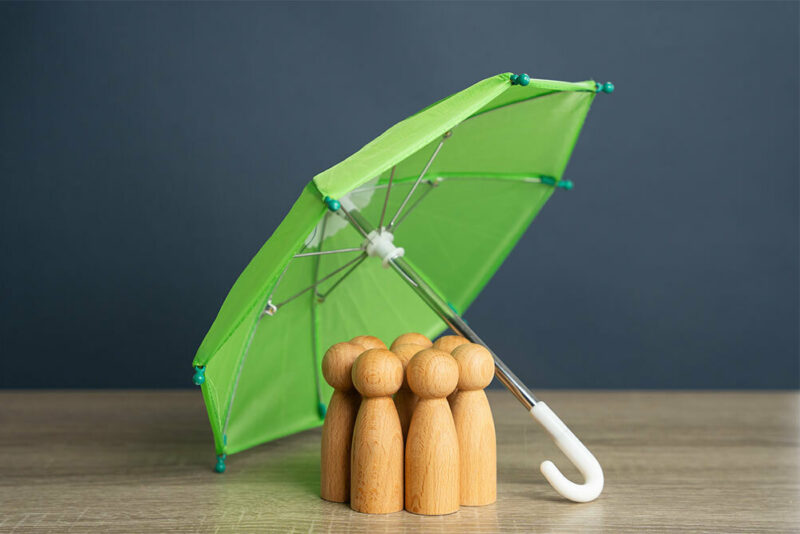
(148, 150)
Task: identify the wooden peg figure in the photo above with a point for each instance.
(412, 338)
(405, 400)
(337, 431)
(368, 342)
(475, 426)
(376, 462)
(448, 343)
(432, 457)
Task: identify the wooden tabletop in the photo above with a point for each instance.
(140, 461)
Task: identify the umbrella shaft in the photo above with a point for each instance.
(453, 319)
(458, 325)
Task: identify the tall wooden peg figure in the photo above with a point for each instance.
(412, 338)
(337, 431)
(405, 400)
(376, 462)
(475, 426)
(432, 457)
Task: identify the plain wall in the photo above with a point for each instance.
(147, 150)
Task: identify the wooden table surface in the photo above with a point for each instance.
(140, 461)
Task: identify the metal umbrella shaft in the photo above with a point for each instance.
(450, 317)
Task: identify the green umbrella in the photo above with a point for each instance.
(399, 237)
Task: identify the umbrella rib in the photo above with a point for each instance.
(239, 375)
(355, 223)
(415, 204)
(383, 186)
(314, 340)
(422, 175)
(323, 296)
(386, 200)
(327, 276)
(324, 252)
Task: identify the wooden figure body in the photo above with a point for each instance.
(376, 466)
(475, 426)
(337, 431)
(412, 338)
(405, 400)
(432, 456)
(368, 342)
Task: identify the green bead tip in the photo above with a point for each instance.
(220, 467)
(199, 377)
(520, 79)
(566, 185)
(332, 204)
(322, 410)
(606, 88)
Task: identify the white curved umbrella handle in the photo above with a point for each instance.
(578, 454)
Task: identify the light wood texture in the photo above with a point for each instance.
(141, 461)
(448, 343)
(472, 416)
(376, 483)
(337, 431)
(412, 338)
(405, 400)
(431, 469)
(368, 342)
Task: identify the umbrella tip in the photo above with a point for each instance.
(520, 79)
(220, 467)
(606, 88)
(332, 204)
(199, 377)
(565, 184)
(322, 410)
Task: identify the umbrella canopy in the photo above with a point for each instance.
(457, 184)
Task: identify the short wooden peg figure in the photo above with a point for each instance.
(405, 400)
(337, 431)
(432, 457)
(475, 425)
(448, 343)
(368, 342)
(412, 338)
(376, 461)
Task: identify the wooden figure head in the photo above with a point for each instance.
(448, 343)
(405, 352)
(337, 365)
(475, 366)
(432, 374)
(412, 338)
(368, 342)
(377, 373)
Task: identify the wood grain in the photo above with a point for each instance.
(432, 459)
(141, 461)
(337, 431)
(474, 423)
(376, 461)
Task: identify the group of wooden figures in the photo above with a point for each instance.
(431, 448)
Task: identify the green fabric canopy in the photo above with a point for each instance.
(501, 150)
